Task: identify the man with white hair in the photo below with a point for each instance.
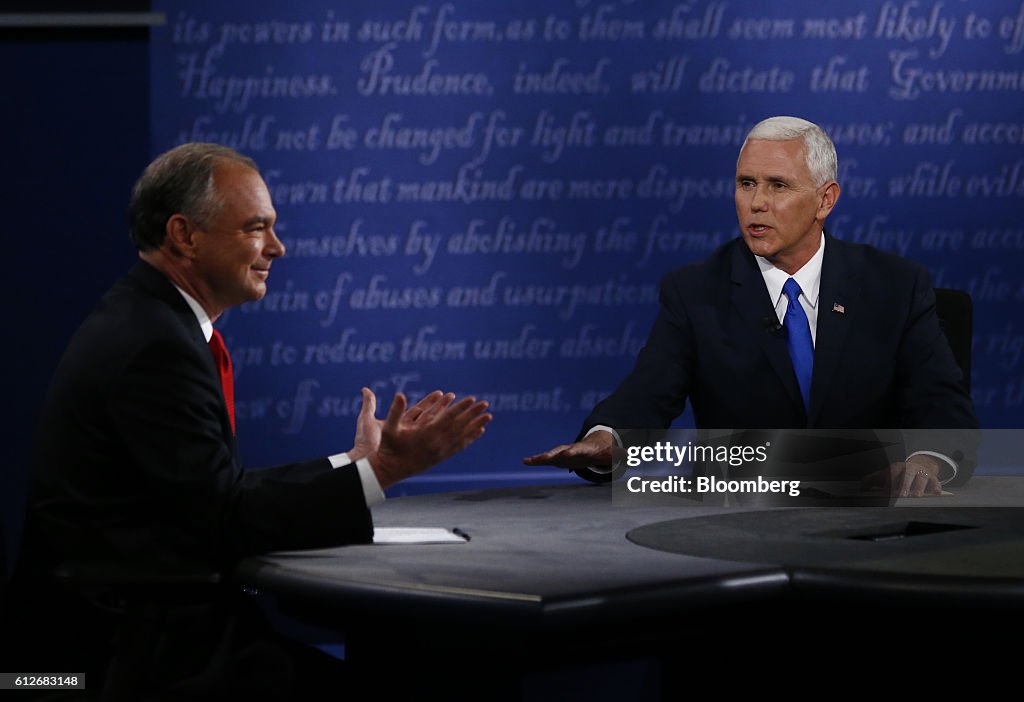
(787, 327)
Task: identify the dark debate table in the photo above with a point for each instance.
(561, 573)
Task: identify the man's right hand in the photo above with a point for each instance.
(594, 451)
(431, 431)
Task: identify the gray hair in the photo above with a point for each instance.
(179, 181)
(822, 161)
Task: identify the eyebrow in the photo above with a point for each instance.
(256, 220)
(768, 178)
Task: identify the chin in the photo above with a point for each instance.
(759, 247)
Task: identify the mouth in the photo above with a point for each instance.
(757, 230)
(261, 272)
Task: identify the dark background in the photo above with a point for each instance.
(75, 126)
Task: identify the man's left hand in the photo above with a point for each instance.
(368, 427)
(915, 477)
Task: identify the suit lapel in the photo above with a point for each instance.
(751, 302)
(841, 270)
(157, 284)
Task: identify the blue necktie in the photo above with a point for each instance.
(798, 338)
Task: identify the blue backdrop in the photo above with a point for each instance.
(482, 196)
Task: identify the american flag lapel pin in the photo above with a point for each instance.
(836, 307)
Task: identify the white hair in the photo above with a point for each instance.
(822, 161)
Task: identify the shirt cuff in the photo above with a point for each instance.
(949, 461)
(372, 492)
(604, 470)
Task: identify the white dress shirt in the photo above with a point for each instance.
(809, 280)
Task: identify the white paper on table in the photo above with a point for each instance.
(418, 535)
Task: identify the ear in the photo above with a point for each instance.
(829, 198)
(180, 235)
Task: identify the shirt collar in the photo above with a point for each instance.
(808, 277)
(204, 319)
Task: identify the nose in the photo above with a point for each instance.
(273, 247)
(758, 200)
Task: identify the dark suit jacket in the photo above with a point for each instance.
(881, 360)
(137, 462)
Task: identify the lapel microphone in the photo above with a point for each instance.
(771, 324)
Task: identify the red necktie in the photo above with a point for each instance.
(227, 380)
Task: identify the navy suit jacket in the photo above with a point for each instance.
(881, 360)
(137, 462)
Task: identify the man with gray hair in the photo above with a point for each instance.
(787, 327)
(138, 467)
